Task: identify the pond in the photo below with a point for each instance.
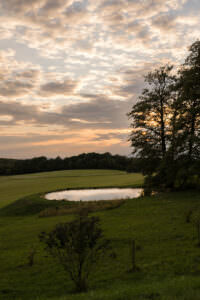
(95, 194)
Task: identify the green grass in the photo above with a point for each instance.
(15, 187)
(167, 254)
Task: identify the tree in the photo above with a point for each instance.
(150, 118)
(190, 96)
(166, 125)
(78, 246)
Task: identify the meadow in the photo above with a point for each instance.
(167, 252)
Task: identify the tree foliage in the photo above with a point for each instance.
(83, 161)
(151, 117)
(190, 101)
(166, 123)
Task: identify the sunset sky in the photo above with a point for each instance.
(71, 70)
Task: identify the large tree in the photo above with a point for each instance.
(190, 98)
(151, 116)
(166, 124)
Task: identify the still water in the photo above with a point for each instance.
(95, 194)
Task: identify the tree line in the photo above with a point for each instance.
(83, 161)
(166, 124)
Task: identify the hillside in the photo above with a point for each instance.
(167, 253)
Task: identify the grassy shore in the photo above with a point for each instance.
(167, 252)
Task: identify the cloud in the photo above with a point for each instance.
(18, 111)
(50, 89)
(31, 74)
(78, 66)
(99, 113)
(76, 128)
(165, 22)
(50, 6)
(54, 27)
(18, 78)
(20, 6)
(15, 88)
(146, 9)
(76, 13)
(62, 145)
(131, 81)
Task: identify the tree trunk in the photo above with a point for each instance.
(192, 135)
(163, 138)
(174, 132)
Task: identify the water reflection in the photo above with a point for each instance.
(95, 194)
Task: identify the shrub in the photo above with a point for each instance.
(188, 216)
(78, 245)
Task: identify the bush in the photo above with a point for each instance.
(174, 175)
(78, 245)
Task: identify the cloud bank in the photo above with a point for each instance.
(71, 70)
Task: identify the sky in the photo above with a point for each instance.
(70, 71)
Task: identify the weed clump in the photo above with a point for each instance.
(76, 208)
(31, 257)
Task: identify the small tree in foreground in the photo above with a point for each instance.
(78, 245)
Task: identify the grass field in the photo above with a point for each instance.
(168, 255)
(15, 187)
